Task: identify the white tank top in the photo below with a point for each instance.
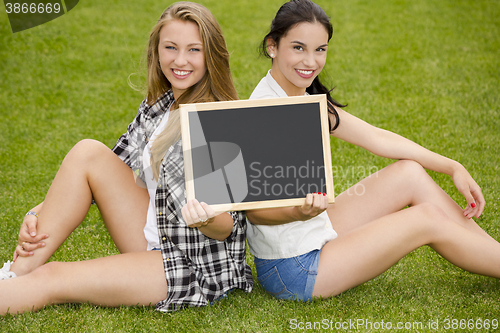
(151, 228)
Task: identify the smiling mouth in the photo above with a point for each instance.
(306, 74)
(180, 74)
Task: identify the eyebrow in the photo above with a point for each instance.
(169, 41)
(303, 44)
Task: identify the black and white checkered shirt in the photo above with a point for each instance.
(198, 269)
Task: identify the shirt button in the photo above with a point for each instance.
(168, 259)
(164, 238)
(159, 186)
(160, 213)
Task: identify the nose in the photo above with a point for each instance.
(181, 59)
(309, 59)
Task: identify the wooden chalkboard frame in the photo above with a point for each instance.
(186, 109)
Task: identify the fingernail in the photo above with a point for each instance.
(324, 194)
(473, 205)
(33, 234)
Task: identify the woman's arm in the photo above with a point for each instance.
(390, 145)
(214, 226)
(315, 204)
(219, 228)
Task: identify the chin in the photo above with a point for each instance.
(303, 85)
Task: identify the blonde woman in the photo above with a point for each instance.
(173, 253)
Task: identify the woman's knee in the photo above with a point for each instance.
(409, 169)
(432, 211)
(414, 178)
(432, 219)
(90, 147)
(87, 151)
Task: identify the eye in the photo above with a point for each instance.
(195, 49)
(321, 49)
(169, 47)
(298, 48)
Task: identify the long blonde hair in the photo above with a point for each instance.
(216, 84)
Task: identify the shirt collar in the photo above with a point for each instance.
(274, 85)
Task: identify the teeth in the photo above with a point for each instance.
(181, 73)
(304, 72)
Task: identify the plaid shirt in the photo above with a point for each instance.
(198, 269)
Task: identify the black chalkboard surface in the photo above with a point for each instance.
(251, 154)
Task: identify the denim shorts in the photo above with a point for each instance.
(289, 278)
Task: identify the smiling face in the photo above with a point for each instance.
(299, 57)
(180, 52)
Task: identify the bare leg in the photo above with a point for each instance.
(403, 183)
(366, 252)
(126, 279)
(90, 170)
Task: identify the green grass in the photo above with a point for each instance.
(428, 70)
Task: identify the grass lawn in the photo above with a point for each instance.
(428, 70)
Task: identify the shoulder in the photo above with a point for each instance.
(159, 107)
(262, 90)
(267, 88)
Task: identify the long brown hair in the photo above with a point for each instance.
(216, 84)
(290, 15)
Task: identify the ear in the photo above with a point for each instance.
(271, 47)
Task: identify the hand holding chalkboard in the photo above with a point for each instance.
(197, 214)
(315, 204)
(257, 153)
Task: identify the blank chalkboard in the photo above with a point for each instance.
(251, 154)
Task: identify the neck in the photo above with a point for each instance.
(177, 93)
